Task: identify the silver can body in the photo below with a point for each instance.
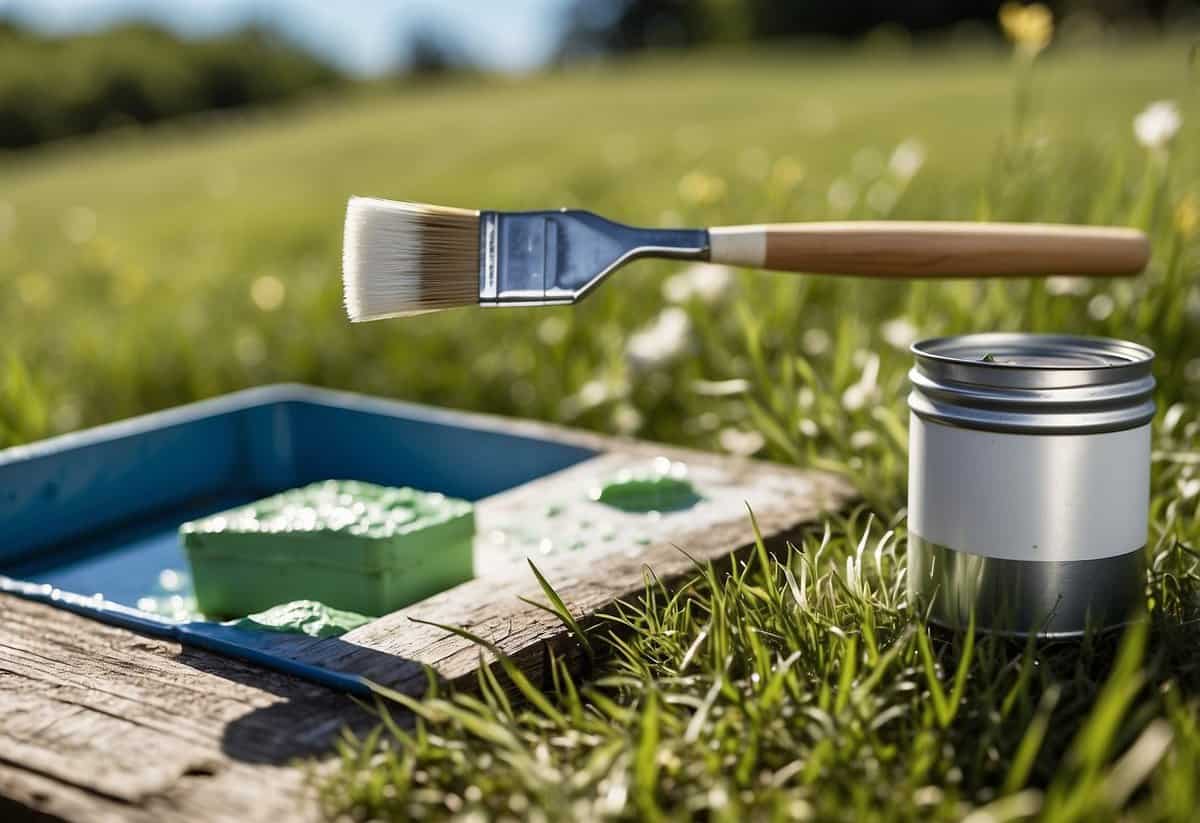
(1029, 481)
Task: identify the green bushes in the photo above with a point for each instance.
(52, 87)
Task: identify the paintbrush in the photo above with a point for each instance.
(408, 258)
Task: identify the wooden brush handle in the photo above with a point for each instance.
(933, 249)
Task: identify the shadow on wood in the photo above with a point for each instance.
(309, 719)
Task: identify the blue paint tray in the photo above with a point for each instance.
(90, 519)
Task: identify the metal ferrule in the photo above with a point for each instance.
(1029, 475)
(557, 257)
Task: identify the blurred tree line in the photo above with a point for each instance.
(53, 87)
(616, 26)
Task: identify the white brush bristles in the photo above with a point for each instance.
(408, 258)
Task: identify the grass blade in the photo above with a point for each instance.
(1031, 743)
(518, 678)
(645, 766)
(560, 610)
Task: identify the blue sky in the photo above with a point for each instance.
(364, 36)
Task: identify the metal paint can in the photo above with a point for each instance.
(1029, 481)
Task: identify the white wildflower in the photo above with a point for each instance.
(268, 292)
(708, 282)
(854, 397)
(907, 159)
(809, 428)
(815, 341)
(863, 439)
(1157, 124)
(553, 330)
(899, 332)
(677, 288)
(858, 395)
(1171, 419)
(626, 419)
(721, 388)
(1189, 488)
(1077, 286)
(742, 443)
(593, 393)
(1100, 307)
(665, 339)
(927, 796)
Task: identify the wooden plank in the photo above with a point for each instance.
(98, 723)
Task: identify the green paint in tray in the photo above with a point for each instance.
(350, 545)
(665, 488)
(303, 617)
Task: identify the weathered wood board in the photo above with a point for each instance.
(100, 723)
(394, 649)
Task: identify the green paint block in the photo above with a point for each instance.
(352, 546)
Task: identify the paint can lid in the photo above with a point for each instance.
(1035, 383)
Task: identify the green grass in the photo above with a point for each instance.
(147, 270)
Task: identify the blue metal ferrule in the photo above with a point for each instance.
(558, 257)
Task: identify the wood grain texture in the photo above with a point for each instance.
(98, 723)
(947, 249)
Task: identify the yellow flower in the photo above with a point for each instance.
(1187, 216)
(1029, 28)
(787, 171)
(268, 292)
(700, 189)
(128, 285)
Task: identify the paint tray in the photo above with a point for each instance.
(90, 519)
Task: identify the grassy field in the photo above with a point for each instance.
(145, 270)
